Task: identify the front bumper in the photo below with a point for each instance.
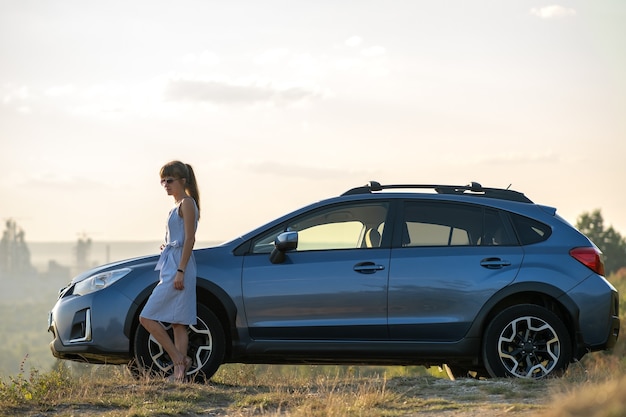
(90, 328)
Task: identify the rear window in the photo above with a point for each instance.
(530, 231)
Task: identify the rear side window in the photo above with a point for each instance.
(497, 231)
(449, 224)
(436, 224)
(530, 231)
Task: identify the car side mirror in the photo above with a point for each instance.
(284, 242)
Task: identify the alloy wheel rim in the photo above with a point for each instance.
(529, 347)
(200, 348)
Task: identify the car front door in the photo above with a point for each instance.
(332, 287)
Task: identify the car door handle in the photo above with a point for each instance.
(494, 263)
(368, 267)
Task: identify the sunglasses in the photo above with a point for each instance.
(168, 180)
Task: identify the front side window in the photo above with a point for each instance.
(345, 226)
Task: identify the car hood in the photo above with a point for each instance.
(126, 263)
(141, 262)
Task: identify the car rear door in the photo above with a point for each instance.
(447, 261)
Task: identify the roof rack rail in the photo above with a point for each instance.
(473, 188)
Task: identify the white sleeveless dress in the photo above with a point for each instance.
(167, 304)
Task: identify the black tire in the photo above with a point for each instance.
(207, 344)
(526, 341)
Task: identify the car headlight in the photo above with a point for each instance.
(99, 281)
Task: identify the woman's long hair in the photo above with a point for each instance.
(179, 170)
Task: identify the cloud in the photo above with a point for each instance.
(19, 99)
(552, 12)
(362, 58)
(305, 172)
(60, 90)
(513, 158)
(12, 93)
(374, 51)
(59, 181)
(353, 41)
(272, 56)
(221, 92)
(205, 58)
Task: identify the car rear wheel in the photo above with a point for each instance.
(526, 341)
(206, 349)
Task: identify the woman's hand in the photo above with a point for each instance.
(179, 281)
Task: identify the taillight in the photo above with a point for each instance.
(590, 257)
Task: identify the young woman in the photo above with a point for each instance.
(173, 300)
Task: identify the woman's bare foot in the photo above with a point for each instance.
(180, 369)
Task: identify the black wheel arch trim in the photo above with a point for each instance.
(130, 323)
(525, 292)
(219, 302)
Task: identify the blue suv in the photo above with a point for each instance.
(481, 280)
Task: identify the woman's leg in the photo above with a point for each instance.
(181, 340)
(160, 334)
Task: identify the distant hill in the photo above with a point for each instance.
(63, 253)
(27, 299)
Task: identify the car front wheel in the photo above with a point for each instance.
(206, 349)
(526, 341)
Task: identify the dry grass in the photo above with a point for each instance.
(605, 399)
(595, 387)
(114, 392)
(247, 390)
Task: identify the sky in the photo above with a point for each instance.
(277, 104)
